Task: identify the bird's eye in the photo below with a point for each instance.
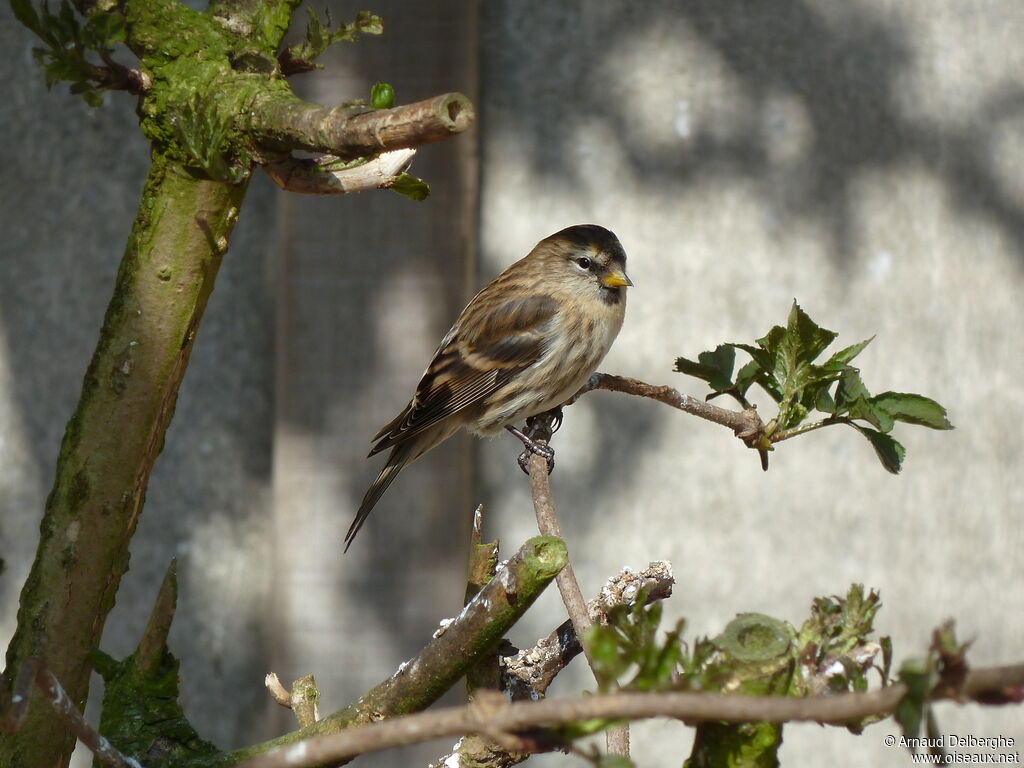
(584, 262)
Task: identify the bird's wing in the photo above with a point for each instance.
(490, 342)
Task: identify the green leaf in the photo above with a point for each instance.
(841, 359)
(614, 761)
(103, 30)
(912, 409)
(714, 367)
(886, 643)
(604, 650)
(850, 389)
(25, 12)
(368, 23)
(919, 677)
(807, 338)
(866, 410)
(319, 37)
(747, 375)
(889, 452)
(382, 96)
(795, 413)
(411, 187)
(824, 401)
(758, 370)
(58, 70)
(765, 358)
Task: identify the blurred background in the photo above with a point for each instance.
(861, 156)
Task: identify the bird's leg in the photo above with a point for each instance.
(539, 427)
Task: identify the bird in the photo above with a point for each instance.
(525, 344)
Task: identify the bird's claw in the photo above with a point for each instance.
(545, 424)
(538, 428)
(541, 450)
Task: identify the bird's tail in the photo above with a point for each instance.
(396, 461)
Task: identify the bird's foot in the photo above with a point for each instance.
(541, 450)
(539, 430)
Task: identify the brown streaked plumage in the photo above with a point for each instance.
(524, 345)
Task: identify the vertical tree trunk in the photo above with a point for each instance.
(111, 442)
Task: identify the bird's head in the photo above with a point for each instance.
(586, 258)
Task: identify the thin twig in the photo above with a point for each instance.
(746, 424)
(1001, 684)
(786, 434)
(34, 671)
(547, 522)
(277, 690)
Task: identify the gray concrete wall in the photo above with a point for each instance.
(862, 157)
(859, 156)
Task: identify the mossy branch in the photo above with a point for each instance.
(281, 120)
(446, 658)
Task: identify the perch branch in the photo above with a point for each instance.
(283, 121)
(540, 429)
(547, 522)
(315, 176)
(745, 424)
(998, 684)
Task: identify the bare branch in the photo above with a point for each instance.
(547, 522)
(317, 177)
(746, 424)
(35, 671)
(282, 121)
(540, 428)
(277, 690)
(1001, 684)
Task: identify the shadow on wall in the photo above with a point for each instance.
(819, 96)
(817, 99)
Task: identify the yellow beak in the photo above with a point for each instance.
(616, 279)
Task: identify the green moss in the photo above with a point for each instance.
(730, 745)
(548, 555)
(78, 490)
(141, 714)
